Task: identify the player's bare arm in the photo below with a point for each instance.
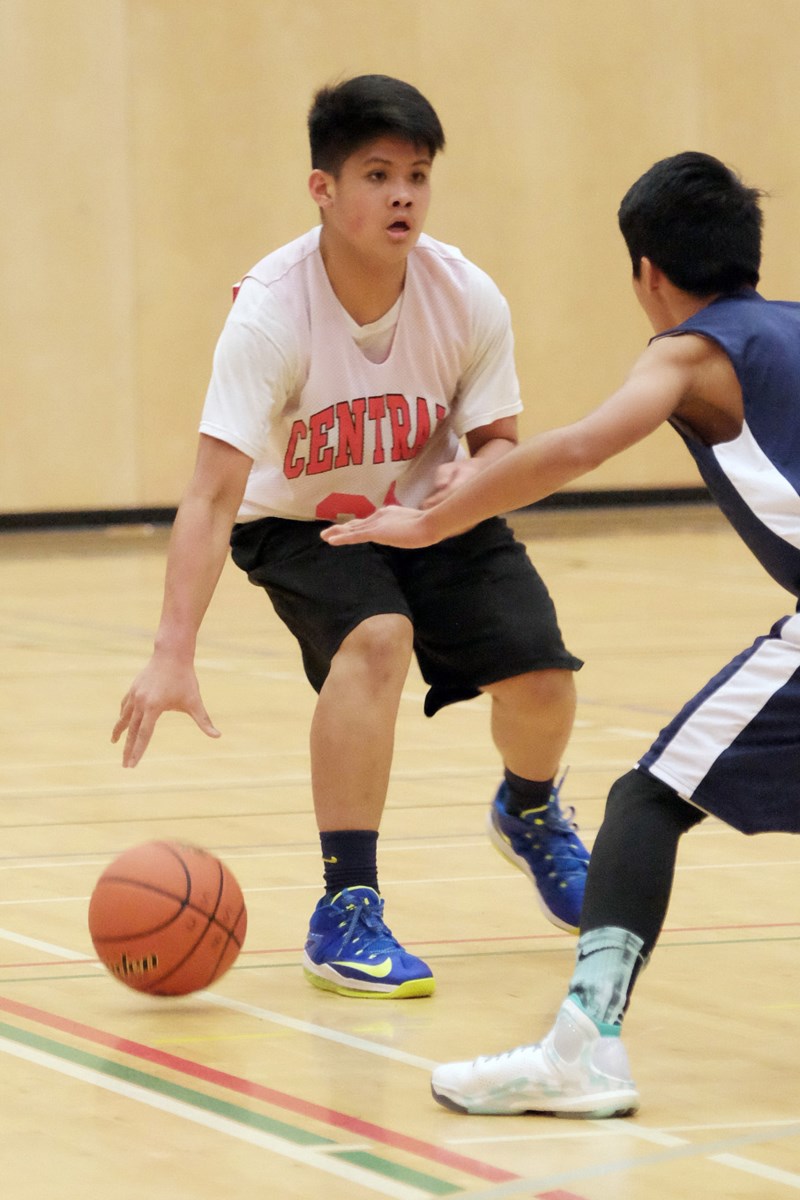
(486, 444)
(658, 385)
(197, 552)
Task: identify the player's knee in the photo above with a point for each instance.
(639, 794)
(380, 647)
(537, 692)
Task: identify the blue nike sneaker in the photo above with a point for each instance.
(543, 843)
(350, 951)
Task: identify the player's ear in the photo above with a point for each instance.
(650, 276)
(321, 187)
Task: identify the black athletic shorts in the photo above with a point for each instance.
(479, 610)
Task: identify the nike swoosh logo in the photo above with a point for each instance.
(584, 954)
(378, 970)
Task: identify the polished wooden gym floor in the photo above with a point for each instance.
(264, 1086)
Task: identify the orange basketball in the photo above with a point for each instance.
(167, 918)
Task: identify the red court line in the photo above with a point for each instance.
(569, 939)
(245, 1087)
(558, 1195)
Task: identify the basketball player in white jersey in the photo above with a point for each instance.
(365, 364)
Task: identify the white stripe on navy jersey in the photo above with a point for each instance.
(755, 479)
(764, 489)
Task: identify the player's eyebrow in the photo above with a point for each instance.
(377, 158)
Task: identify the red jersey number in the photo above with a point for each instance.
(340, 505)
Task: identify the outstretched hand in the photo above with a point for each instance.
(159, 688)
(392, 526)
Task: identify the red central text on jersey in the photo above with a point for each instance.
(386, 428)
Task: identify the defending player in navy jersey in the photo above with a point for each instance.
(724, 370)
(356, 363)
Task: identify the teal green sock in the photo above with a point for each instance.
(604, 969)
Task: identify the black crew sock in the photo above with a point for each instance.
(525, 794)
(349, 858)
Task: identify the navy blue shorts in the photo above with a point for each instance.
(734, 750)
(479, 610)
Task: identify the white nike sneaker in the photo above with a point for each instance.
(575, 1071)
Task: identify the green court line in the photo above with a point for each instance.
(363, 1158)
(224, 1108)
(153, 1083)
(43, 978)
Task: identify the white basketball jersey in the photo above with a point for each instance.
(331, 431)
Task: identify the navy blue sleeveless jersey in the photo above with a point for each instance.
(734, 748)
(755, 479)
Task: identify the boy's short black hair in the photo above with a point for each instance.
(695, 219)
(347, 115)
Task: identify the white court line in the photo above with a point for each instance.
(422, 881)
(405, 883)
(677, 1147)
(623, 1128)
(433, 845)
(736, 866)
(579, 1135)
(331, 1035)
(34, 944)
(762, 1172)
(251, 1010)
(22, 862)
(321, 1161)
(662, 1137)
(728, 1125)
(634, 1129)
(267, 782)
(677, 1150)
(297, 887)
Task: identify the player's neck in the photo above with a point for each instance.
(665, 304)
(366, 289)
(677, 308)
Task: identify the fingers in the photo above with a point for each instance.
(447, 482)
(125, 711)
(140, 710)
(350, 531)
(345, 535)
(391, 526)
(435, 497)
(140, 726)
(203, 721)
(140, 732)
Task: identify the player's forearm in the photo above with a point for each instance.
(522, 476)
(197, 553)
(493, 450)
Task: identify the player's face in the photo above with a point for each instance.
(378, 202)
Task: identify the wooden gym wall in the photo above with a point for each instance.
(154, 149)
